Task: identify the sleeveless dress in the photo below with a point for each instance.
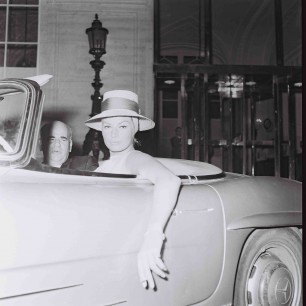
(115, 164)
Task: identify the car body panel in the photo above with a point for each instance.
(59, 218)
(71, 237)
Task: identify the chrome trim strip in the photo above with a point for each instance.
(38, 292)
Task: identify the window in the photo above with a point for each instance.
(170, 104)
(18, 33)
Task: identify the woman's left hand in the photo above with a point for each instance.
(149, 258)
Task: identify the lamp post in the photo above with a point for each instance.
(97, 42)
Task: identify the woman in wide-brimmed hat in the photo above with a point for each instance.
(119, 121)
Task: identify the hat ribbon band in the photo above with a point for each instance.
(119, 103)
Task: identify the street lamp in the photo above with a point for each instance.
(97, 42)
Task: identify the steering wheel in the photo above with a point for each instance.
(6, 146)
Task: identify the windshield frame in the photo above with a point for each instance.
(30, 120)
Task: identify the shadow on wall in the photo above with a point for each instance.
(60, 116)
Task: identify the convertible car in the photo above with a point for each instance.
(70, 237)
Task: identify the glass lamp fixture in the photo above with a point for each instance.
(169, 82)
(231, 86)
(97, 38)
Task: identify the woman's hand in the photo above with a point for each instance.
(149, 257)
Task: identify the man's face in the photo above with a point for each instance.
(57, 145)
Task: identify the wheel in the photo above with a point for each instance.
(270, 269)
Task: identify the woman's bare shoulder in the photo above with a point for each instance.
(147, 165)
(141, 156)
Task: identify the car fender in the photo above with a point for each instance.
(261, 202)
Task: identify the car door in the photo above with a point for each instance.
(62, 218)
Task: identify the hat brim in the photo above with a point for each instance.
(95, 122)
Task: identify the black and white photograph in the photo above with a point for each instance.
(151, 153)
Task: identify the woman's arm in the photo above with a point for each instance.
(166, 189)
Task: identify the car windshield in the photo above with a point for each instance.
(12, 106)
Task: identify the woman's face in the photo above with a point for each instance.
(118, 133)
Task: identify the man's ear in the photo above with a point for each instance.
(70, 145)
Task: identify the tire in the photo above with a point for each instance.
(270, 269)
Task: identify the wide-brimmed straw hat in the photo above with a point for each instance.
(120, 103)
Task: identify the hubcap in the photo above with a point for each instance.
(271, 282)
